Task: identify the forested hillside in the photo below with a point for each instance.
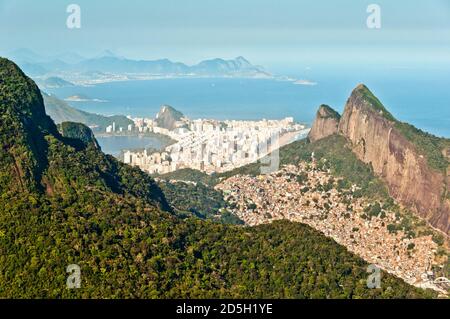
(64, 202)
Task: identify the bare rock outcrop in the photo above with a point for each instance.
(167, 117)
(376, 139)
(325, 124)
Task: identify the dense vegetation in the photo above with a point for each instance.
(431, 146)
(331, 113)
(78, 131)
(128, 250)
(373, 101)
(198, 199)
(332, 153)
(126, 247)
(62, 204)
(189, 174)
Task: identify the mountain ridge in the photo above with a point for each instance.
(108, 62)
(60, 111)
(325, 124)
(410, 161)
(113, 221)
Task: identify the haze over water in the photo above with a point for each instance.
(418, 95)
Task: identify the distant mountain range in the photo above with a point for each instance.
(54, 82)
(63, 202)
(108, 66)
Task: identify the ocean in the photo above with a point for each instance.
(113, 145)
(418, 95)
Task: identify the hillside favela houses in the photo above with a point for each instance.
(208, 145)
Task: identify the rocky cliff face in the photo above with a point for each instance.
(325, 124)
(376, 139)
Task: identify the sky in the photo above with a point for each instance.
(267, 32)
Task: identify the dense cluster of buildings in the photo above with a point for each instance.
(212, 145)
(111, 129)
(305, 194)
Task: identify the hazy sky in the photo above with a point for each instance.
(268, 32)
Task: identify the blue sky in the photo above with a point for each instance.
(267, 32)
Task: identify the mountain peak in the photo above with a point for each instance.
(166, 108)
(325, 124)
(361, 86)
(109, 54)
(34, 153)
(23, 127)
(20, 95)
(362, 92)
(242, 60)
(410, 161)
(168, 116)
(326, 111)
(105, 215)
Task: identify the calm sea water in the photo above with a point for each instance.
(420, 96)
(114, 144)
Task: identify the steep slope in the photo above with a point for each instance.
(409, 161)
(23, 126)
(34, 153)
(167, 116)
(60, 111)
(78, 131)
(76, 205)
(54, 82)
(325, 124)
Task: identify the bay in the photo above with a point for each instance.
(113, 145)
(419, 95)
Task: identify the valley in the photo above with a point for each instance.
(225, 158)
(64, 202)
